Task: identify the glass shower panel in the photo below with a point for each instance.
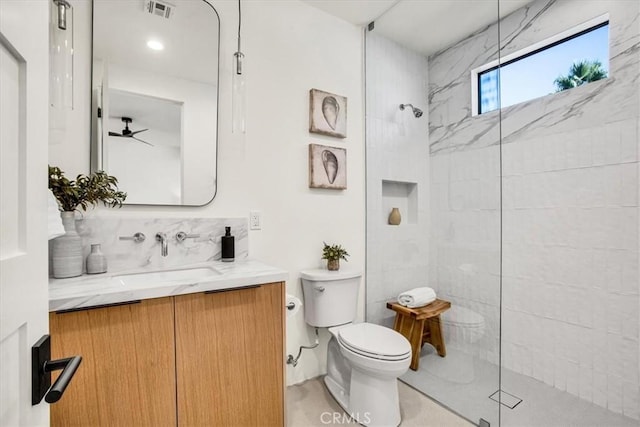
(442, 171)
(570, 223)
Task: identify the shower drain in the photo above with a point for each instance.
(508, 400)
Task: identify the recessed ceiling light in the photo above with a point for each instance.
(155, 45)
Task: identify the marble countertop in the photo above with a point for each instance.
(107, 288)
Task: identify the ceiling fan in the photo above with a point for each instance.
(128, 133)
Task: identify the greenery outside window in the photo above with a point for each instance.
(562, 62)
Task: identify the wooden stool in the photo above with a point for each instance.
(411, 322)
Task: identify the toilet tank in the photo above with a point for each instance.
(330, 297)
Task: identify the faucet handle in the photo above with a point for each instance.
(181, 236)
(138, 237)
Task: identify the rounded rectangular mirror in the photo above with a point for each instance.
(155, 99)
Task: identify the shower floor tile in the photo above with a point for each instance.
(542, 405)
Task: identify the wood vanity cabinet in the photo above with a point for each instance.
(202, 359)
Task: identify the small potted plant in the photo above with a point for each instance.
(333, 254)
(83, 192)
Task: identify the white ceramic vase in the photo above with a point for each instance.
(96, 261)
(66, 253)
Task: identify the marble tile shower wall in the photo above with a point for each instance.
(570, 263)
(123, 255)
(397, 150)
(570, 207)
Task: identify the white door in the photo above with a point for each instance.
(24, 68)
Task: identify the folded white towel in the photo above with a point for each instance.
(54, 222)
(417, 297)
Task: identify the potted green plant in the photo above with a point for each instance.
(85, 191)
(333, 254)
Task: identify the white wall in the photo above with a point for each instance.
(290, 48)
(569, 203)
(397, 174)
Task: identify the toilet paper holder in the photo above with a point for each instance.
(292, 304)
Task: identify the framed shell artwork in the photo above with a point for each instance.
(327, 167)
(327, 113)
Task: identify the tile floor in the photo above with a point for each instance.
(310, 404)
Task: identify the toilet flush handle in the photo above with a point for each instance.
(319, 288)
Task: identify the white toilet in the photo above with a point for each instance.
(364, 360)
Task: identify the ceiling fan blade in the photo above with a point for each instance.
(114, 134)
(137, 131)
(138, 139)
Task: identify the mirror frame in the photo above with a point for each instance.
(95, 140)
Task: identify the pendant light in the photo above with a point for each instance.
(61, 55)
(239, 90)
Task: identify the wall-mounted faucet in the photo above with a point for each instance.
(138, 237)
(162, 238)
(181, 236)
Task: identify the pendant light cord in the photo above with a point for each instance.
(239, 24)
(239, 55)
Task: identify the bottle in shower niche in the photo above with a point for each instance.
(228, 246)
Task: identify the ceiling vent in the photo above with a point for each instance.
(159, 8)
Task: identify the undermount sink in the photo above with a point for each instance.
(186, 276)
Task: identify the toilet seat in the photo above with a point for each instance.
(374, 341)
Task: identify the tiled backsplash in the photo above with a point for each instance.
(125, 255)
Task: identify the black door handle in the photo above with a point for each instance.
(68, 366)
(41, 368)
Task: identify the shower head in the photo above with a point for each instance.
(416, 111)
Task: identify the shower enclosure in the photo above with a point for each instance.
(519, 202)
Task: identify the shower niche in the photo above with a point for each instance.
(401, 195)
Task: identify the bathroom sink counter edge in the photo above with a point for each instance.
(95, 290)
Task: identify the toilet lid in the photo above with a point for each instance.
(375, 341)
(324, 275)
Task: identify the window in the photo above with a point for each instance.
(562, 62)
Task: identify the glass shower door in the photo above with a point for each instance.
(570, 216)
(442, 171)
